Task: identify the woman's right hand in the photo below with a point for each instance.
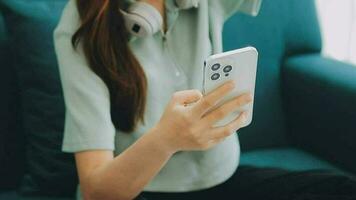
(187, 123)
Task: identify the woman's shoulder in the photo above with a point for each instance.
(70, 20)
(229, 7)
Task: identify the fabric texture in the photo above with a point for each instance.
(320, 97)
(169, 67)
(30, 27)
(11, 137)
(252, 183)
(87, 122)
(293, 159)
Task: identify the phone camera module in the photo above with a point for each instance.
(215, 76)
(215, 67)
(227, 69)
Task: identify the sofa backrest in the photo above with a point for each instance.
(11, 137)
(281, 29)
(38, 98)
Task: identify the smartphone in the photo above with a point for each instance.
(239, 65)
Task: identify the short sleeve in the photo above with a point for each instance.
(250, 7)
(88, 124)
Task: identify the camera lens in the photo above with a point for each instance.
(215, 67)
(227, 69)
(215, 76)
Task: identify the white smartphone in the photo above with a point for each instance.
(239, 65)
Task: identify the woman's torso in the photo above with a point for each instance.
(172, 61)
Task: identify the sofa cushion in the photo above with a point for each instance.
(11, 139)
(320, 94)
(3, 31)
(30, 26)
(287, 158)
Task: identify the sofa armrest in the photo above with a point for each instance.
(320, 101)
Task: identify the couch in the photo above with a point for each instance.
(304, 112)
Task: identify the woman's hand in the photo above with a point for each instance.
(187, 123)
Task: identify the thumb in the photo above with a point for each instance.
(187, 96)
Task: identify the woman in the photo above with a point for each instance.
(135, 121)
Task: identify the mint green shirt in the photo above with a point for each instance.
(172, 61)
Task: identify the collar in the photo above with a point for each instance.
(171, 6)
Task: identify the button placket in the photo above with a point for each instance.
(179, 75)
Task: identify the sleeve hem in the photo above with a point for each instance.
(87, 145)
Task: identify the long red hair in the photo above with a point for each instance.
(104, 40)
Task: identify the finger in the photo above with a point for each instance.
(212, 98)
(225, 131)
(227, 108)
(186, 97)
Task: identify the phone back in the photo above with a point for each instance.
(239, 65)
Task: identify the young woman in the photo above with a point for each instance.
(134, 118)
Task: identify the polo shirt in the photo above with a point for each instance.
(172, 61)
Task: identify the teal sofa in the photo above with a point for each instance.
(304, 114)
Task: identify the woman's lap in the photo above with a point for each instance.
(271, 183)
